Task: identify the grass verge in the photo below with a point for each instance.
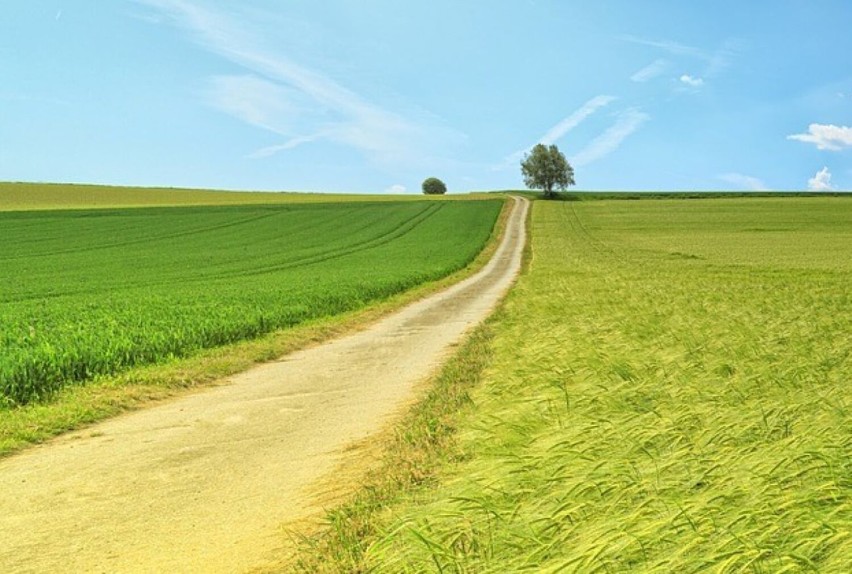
(77, 406)
(414, 453)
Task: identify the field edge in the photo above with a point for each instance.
(78, 406)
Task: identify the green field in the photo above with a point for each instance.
(668, 390)
(91, 292)
(33, 196)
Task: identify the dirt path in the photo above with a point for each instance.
(205, 483)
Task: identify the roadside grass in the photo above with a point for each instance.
(665, 390)
(413, 454)
(75, 407)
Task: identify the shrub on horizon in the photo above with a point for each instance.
(434, 186)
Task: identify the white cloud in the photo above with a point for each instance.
(691, 81)
(396, 189)
(746, 182)
(826, 137)
(821, 181)
(558, 131)
(628, 122)
(651, 71)
(300, 103)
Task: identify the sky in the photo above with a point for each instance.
(374, 96)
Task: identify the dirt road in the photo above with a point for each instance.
(205, 483)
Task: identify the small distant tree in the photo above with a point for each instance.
(434, 186)
(546, 168)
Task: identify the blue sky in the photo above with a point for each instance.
(376, 95)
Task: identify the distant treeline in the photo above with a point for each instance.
(601, 195)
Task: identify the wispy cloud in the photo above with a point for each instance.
(627, 122)
(821, 181)
(745, 182)
(826, 137)
(559, 130)
(714, 60)
(148, 17)
(653, 70)
(556, 133)
(266, 105)
(674, 48)
(256, 101)
(292, 100)
(292, 143)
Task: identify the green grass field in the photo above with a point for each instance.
(668, 390)
(36, 196)
(92, 292)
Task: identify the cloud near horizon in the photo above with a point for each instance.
(821, 181)
(826, 137)
(745, 182)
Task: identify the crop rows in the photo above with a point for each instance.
(669, 393)
(86, 293)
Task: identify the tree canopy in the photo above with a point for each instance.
(545, 167)
(434, 186)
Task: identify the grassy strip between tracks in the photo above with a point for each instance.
(665, 390)
(74, 407)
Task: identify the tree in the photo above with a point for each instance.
(434, 186)
(545, 168)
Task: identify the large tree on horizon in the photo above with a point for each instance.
(546, 168)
